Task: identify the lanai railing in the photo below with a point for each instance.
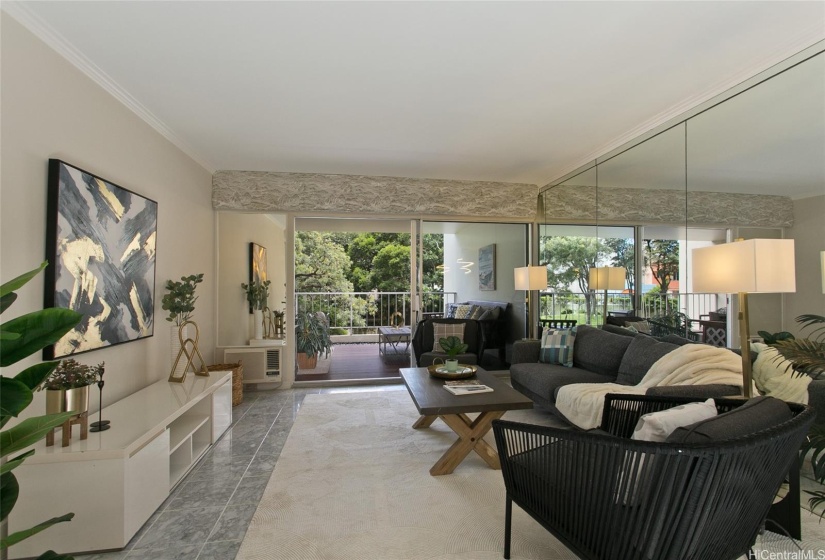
(363, 312)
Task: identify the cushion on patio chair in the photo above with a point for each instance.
(757, 414)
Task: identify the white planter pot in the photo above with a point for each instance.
(258, 324)
(451, 365)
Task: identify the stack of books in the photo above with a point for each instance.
(466, 387)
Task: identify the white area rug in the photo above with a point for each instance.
(353, 482)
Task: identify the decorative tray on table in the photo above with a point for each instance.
(462, 372)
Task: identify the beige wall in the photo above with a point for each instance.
(511, 244)
(51, 110)
(235, 232)
(808, 232)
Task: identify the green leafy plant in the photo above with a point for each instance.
(70, 374)
(257, 294)
(20, 338)
(808, 356)
(453, 346)
(180, 300)
(772, 338)
(312, 335)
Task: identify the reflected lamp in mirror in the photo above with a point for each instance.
(822, 264)
(743, 267)
(606, 278)
(530, 279)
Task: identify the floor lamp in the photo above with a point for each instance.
(530, 279)
(607, 278)
(743, 267)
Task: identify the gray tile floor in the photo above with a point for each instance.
(206, 516)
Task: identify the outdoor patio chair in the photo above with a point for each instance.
(704, 493)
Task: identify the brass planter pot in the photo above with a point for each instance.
(65, 400)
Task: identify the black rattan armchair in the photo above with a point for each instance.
(605, 496)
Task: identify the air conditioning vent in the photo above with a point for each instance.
(273, 360)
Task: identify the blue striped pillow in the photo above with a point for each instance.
(557, 347)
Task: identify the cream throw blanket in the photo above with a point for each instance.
(691, 364)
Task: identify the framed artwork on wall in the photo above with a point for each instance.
(100, 244)
(257, 265)
(487, 268)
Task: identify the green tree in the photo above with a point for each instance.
(321, 265)
(391, 269)
(433, 259)
(624, 255)
(662, 258)
(569, 260)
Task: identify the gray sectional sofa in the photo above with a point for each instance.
(600, 356)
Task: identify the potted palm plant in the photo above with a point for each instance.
(311, 339)
(808, 356)
(453, 346)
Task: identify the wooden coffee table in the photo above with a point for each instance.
(433, 401)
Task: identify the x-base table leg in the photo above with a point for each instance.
(470, 438)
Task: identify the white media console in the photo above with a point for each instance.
(114, 480)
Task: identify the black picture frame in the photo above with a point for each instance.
(101, 244)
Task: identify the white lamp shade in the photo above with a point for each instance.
(752, 265)
(530, 278)
(607, 278)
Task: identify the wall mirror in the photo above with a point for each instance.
(746, 164)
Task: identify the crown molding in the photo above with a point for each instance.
(43, 31)
(807, 38)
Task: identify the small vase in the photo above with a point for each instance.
(451, 365)
(258, 324)
(65, 400)
(177, 333)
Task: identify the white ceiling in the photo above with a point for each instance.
(499, 91)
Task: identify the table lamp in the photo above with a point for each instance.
(530, 279)
(607, 278)
(743, 267)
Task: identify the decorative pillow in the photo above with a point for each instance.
(557, 347)
(642, 353)
(444, 330)
(463, 311)
(657, 426)
(478, 311)
(775, 376)
(451, 307)
(640, 326)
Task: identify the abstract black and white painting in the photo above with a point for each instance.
(100, 244)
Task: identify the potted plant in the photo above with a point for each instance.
(311, 339)
(19, 338)
(808, 356)
(67, 387)
(453, 346)
(179, 301)
(257, 294)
